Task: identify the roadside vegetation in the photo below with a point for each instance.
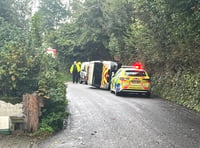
(26, 68)
(164, 35)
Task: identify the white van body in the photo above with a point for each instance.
(84, 72)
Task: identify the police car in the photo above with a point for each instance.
(131, 79)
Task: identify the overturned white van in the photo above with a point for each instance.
(100, 73)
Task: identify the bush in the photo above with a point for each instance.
(27, 69)
(181, 87)
(53, 89)
(45, 130)
(24, 73)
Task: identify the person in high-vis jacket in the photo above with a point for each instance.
(79, 64)
(74, 70)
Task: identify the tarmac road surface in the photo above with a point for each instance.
(99, 119)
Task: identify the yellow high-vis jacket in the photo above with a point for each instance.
(72, 68)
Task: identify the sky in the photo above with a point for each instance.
(35, 6)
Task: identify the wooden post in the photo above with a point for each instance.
(31, 111)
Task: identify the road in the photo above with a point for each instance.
(100, 119)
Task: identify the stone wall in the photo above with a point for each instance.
(8, 109)
(25, 115)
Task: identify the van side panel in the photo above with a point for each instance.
(108, 68)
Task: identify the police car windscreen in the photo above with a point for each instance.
(135, 73)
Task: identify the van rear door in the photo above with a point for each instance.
(95, 73)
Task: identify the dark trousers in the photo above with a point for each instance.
(75, 77)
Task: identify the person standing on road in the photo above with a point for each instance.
(74, 70)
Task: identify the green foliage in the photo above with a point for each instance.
(25, 68)
(6, 10)
(52, 87)
(10, 33)
(45, 130)
(118, 16)
(12, 100)
(92, 38)
(15, 12)
(21, 74)
(53, 13)
(17, 70)
(182, 87)
(164, 37)
(36, 31)
(113, 46)
(53, 121)
(63, 40)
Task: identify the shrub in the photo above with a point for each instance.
(53, 89)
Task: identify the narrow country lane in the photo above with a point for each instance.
(100, 119)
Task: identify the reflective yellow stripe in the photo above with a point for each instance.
(104, 76)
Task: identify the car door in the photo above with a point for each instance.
(115, 79)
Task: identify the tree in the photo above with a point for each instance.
(36, 31)
(118, 16)
(6, 10)
(64, 40)
(16, 12)
(53, 13)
